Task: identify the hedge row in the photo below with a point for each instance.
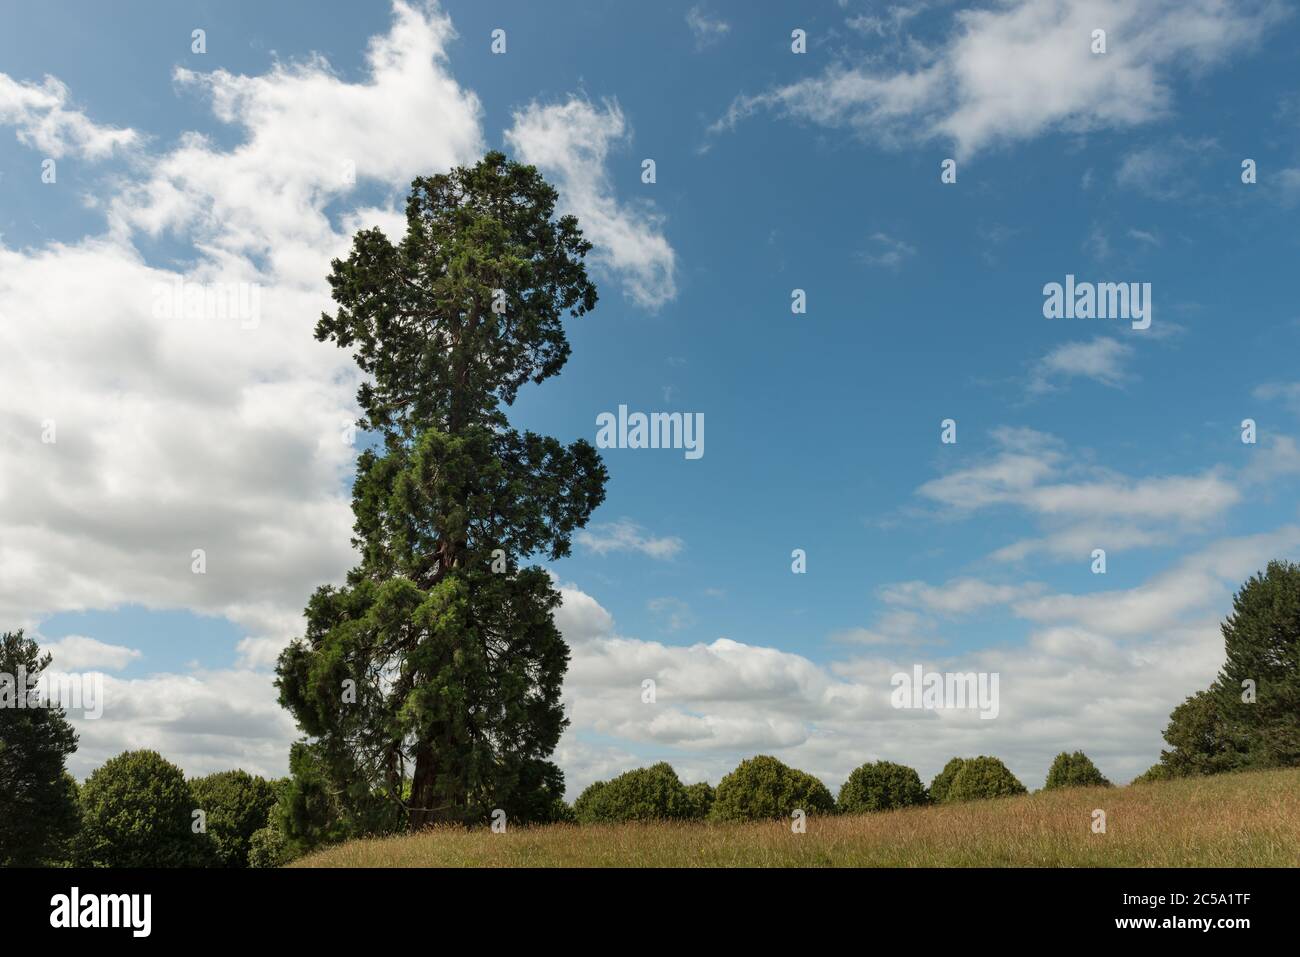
(763, 788)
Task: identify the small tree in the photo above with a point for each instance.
(237, 805)
(943, 780)
(646, 794)
(38, 799)
(881, 786)
(137, 811)
(981, 778)
(1074, 771)
(763, 788)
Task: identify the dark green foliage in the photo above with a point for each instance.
(39, 812)
(237, 805)
(943, 780)
(1201, 741)
(1074, 771)
(1220, 729)
(981, 778)
(311, 810)
(701, 796)
(881, 786)
(540, 797)
(1261, 640)
(137, 811)
(646, 794)
(763, 788)
(439, 661)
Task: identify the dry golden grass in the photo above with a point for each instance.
(1233, 820)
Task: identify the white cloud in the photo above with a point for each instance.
(706, 29)
(179, 434)
(42, 120)
(1103, 360)
(203, 722)
(1085, 507)
(887, 251)
(625, 536)
(1022, 68)
(1089, 676)
(79, 653)
(571, 142)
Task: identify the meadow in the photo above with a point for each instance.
(1249, 819)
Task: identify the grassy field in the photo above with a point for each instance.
(1225, 821)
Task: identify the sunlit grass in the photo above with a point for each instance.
(1233, 820)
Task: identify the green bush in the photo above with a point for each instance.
(882, 786)
(763, 788)
(585, 807)
(701, 796)
(1157, 772)
(137, 811)
(268, 848)
(943, 780)
(646, 794)
(237, 804)
(983, 777)
(1074, 771)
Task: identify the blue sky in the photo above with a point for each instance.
(775, 171)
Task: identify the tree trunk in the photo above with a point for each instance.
(420, 812)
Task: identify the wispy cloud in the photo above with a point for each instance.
(625, 536)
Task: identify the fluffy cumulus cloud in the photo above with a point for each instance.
(571, 142)
(151, 410)
(42, 119)
(146, 422)
(1097, 671)
(1019, 68)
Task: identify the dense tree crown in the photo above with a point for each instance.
(1250, 716)
(1073, 771)
(431, 680)
(763, 787)
(38, 799)
(881, 786)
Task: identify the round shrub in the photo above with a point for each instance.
(943, 780)
(763, 788)
(882, 786)
(137, 812)
(983, 777)
(1074, 771)
(646, 794)
(237, 805)
(268, 848)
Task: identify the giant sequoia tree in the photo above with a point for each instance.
(431, 680)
